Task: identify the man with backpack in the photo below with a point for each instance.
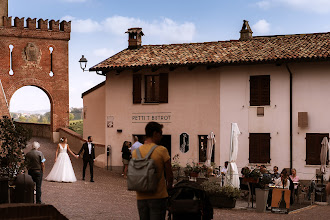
(152, 204)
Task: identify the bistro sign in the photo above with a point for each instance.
(145, 117)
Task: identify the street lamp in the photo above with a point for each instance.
(83, 63)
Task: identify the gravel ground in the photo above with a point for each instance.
(107, 197)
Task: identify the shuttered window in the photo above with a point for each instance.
(137, 88)
(155, 88)
(259, 148)
(313, 147)
(259, 90)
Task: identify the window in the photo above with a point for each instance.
(259, 148)
(155, 88)
(313, 147)
(259, 90)
(202, 143)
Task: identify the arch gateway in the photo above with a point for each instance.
(35, 54)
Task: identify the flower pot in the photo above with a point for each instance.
(250, 180)
(193, 174)
(222, 201)
(261, 199)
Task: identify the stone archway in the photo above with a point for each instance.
(36, 55)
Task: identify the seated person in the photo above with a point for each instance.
(294, 177)
(275, 173)
(283, 181)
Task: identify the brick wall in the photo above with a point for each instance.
(31, 62)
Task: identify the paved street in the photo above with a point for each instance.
(107, 197)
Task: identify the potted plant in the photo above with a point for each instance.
(221, 197)
(251, 176)
(176, 164)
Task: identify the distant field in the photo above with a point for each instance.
(77, 126)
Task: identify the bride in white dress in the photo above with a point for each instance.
(62, 170)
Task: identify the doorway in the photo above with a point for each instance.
(166, 141)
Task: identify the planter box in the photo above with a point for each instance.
(250, 180)
(261, 199)
(222, 201)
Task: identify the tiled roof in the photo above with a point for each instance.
(256, 50)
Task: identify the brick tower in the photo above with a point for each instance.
(35, 55)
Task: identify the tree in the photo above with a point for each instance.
(71, 116)
(33, 119)
(22, 118)
(13, 139)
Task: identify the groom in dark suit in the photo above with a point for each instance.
(88, 156)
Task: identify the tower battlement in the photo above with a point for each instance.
(33, 24)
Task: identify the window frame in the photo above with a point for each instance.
(313, 152)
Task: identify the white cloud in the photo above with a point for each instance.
(83, 26)
(162, 31)
(318, 6)
(261, 27)
(103, 53)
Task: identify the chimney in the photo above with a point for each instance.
(134, 38)
(246, 32)
(3, 10)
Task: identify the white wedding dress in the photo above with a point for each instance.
(62, 170)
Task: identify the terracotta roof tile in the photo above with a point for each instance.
(258, 49)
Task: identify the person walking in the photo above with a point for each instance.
(136, 144)
(35, 161)
(153, 205)
(88, 156)
(126, 155)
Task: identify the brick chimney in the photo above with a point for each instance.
(3, 10)
(134, 38)
(246, 32)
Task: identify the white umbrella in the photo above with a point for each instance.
(324, 154)
(232, 177)
(210, 143)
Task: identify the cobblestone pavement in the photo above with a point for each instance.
(107, 197)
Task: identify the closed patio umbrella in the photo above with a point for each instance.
(324, 154)
(210, 143)
(232, 177)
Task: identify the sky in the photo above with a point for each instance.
(98, 29)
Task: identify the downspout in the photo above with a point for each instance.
(287, 67)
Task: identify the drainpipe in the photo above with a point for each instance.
(287, 67)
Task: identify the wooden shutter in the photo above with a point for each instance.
(313, 148)
(137, 88)
(163, 88)
(259, 90)
(259, 148)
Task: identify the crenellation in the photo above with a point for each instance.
(43, 24)
(19, 23)
(54, 25)
(7, 21)
(65, 26)
(31, 23)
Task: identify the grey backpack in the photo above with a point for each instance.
(142, 174)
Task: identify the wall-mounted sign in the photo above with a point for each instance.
(145, 117)
(184, 142)
(110, 121)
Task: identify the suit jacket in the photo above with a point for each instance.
(86, 155)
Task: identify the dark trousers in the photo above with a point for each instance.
(91, 163)
(37, 178)
(152, 209)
